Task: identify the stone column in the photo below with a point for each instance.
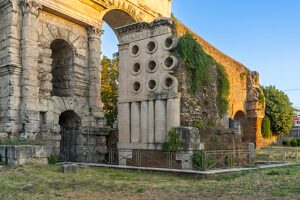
(94, 62)
(135, 122)
(144, 122)
(160, 121)
(151, 122)
(29, 79)
(173, 113)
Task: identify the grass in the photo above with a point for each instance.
(47, 182)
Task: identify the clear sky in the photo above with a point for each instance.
(264, 35)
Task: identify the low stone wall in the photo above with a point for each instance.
(221, 139)
(24, 154)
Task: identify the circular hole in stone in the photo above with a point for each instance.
(136, 86)
(151, 46)
(152, 84)
(136, 67)
(169, 62)
(135, 50)
(169, 82)
(169, 42)
(152, 65)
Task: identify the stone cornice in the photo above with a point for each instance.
(143, 26)
(30, 6)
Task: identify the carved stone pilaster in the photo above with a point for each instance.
(30, 6)
(94, 59)
(29, 78)
(95, 32)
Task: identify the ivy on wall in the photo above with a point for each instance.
(196, 61)
(223, 89)
(199, 66)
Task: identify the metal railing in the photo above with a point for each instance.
(199, 160)
(278, 155)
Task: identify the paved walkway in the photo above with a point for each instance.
(185, 171)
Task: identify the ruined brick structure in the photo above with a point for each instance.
(50, 72)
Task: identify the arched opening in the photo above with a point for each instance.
(69, 123)
(62, 68)
(241, 119)
(109, 84)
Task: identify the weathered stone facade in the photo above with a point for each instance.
(50, 76)
(50, 70)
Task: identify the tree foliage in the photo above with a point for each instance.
(279, 110)
(109, 88)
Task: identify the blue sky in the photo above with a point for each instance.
(264, 35)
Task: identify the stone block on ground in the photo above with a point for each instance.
(70, 168)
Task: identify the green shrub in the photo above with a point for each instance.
(173, 143)
(266, 128)
(298, 142)
(293, 142)
(52, 159)
(286, 143)
(201, 161)
(229, 160)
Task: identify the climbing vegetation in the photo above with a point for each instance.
(199, 66)
(266, 128)
(196, 61)
(223, 89)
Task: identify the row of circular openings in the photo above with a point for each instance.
(170, 63)
(169, 44)
(152, 84)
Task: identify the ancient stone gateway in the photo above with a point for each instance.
(50, 75)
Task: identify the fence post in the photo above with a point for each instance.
(251, 154)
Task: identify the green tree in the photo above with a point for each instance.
(279, 110)
(109, 88)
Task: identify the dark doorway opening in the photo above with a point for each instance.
(69, 123)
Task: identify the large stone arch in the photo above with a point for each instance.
(62, 68)
(50, 33)
(126, 7)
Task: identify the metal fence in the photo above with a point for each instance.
(278, 155)
(199, 160)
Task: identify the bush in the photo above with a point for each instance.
(293, 142)
(286, 143)
(52, 159)
(298, 142)
(173, 143)
(266, 128)
(201, 161)
(229, 160)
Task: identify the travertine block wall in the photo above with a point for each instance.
(10, 68)
(149, 102)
